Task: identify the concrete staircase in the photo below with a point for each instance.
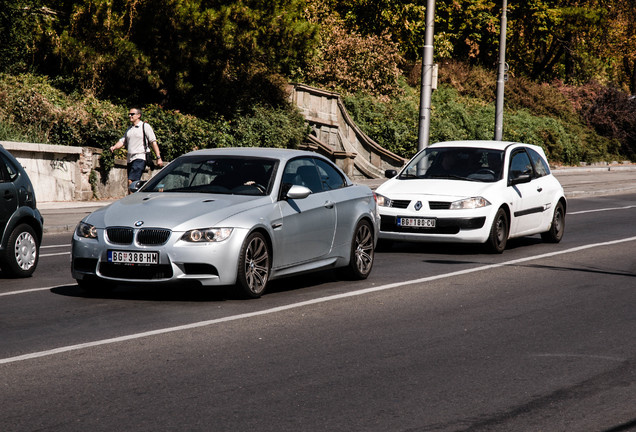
(335, 135)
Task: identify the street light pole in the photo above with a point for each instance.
(501, 75)
(427, 78)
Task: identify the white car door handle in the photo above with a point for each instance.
(539, 189)
(329, 204)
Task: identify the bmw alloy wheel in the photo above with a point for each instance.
(362, 253)
(254, 266)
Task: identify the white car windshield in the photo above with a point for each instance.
(457, 163)
(222, 175)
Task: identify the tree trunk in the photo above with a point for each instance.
(633, 80)
(630, 71)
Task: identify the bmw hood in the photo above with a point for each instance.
(176, 211)
(446, 190)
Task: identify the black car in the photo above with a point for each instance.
(20, 221)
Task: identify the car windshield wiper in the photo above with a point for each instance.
(451, 177)
(408, 176)
(200, 189)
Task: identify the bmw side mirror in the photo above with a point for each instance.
(136, 185)
(390, 173)
(298, 192)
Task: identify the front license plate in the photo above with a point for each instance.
(128, 257)
(416, 222)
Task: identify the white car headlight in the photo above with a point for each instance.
(382, 200)
(86, 230)
(469, 203)
(206, 235)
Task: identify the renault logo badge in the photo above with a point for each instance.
(139, 223)
(418, 205)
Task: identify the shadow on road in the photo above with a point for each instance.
(195, 293)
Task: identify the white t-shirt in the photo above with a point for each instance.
(133, 140)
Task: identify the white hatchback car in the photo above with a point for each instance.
(473, 192)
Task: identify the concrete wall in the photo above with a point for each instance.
(63, 173)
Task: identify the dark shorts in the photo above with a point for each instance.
(135, 169)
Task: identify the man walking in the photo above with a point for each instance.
(133, 139)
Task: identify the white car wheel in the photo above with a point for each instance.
(498, 238)
(557, 228)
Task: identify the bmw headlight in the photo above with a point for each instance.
(86, 230)
(469, 203)
(207, 235)
(382, 200)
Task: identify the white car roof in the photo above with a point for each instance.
(488, 144)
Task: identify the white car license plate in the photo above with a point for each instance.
(128, 257)
(416, 222)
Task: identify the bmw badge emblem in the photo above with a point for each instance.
(139, 223)
(418, 205)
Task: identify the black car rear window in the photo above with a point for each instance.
(8, 171)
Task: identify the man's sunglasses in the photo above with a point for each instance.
(132, 114)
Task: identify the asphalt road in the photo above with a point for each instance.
(439, 338)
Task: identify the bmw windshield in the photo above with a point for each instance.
(221, 175)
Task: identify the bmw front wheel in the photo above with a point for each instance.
(254, 266)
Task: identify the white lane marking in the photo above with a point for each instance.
(300, 304)
(602, 210)
(55, 247)
(54, 254)
(28, 291)
(582, 356)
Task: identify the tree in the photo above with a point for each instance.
(17, 20)
(619, 41)
(468, 30)
(348, 61)
(190, 54)
(404, 20)
(576, 41)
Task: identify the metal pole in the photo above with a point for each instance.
(427, 78)
(501, 75)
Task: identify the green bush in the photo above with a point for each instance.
(270, 127)
(349, 62)
(30, 108)
(393, 125)
(549, 116)
(457, 118)
(178, 133)
(613, 114)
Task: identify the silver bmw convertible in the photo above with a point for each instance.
(240, 216)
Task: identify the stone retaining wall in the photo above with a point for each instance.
(336, 135)
(66, 173)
